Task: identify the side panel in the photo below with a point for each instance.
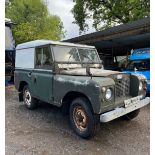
(42, 84)
(22, 75)
(24, 65)
(25, 58)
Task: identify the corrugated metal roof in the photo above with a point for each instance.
(116, 29)
(36, 43)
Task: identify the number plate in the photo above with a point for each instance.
(132, 101)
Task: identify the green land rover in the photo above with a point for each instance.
(71, 76)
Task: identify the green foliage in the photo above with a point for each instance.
(33, 21)
(108, 13)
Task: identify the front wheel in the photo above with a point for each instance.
(82, 119)
(30, 102)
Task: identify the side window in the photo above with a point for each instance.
(43, 58)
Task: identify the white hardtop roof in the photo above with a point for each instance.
(36, 43)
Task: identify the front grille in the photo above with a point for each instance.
(122, 86)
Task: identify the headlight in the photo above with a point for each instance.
(140, 86)
(108, 94)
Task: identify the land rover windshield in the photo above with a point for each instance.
(75, 55)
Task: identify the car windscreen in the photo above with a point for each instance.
(75, 54)
(139, 65)
(88, 55)
(65, 54)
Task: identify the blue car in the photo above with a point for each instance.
(139, 63)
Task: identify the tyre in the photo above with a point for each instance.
(82, 118)
(131, 115)
(29, 101)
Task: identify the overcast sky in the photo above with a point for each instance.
(62, 8)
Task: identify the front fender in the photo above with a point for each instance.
(90, 87)
(63, 84)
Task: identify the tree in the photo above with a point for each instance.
(108, 13)
(33, 21)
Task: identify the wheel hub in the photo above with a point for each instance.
(27, 97)
(80, 118)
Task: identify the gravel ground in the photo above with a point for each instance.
(45, 131)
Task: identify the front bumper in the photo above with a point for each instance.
(118, 112)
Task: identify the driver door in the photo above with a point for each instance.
(42, 76)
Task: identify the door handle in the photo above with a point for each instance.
(29, 74)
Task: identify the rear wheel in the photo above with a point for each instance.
(30, 102)
(131, 115)
(82, 119)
